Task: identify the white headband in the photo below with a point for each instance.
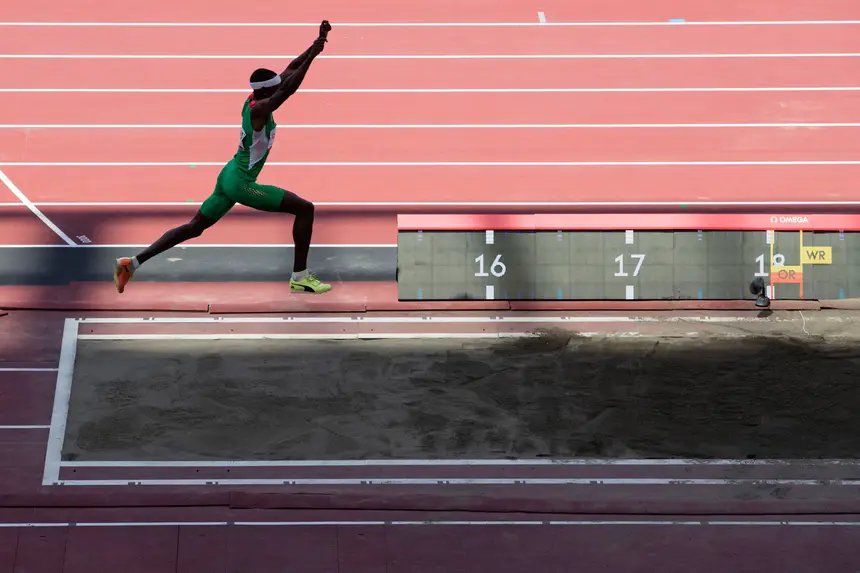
(266, 84)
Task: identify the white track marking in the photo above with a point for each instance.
(429, 125)
(428, 204)
(522, 482)
(541, 17)
(424, 163)
(33, 209)
(365, 57)
(62, 394)
(28, 369)
(576, 462)
(442, 523)
(354, 336)
(62, 90)
(24, 427)
(442, 319)
(632, 24)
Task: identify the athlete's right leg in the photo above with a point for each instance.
(276, 200)
(215, 207)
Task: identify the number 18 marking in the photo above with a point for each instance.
(620, 260)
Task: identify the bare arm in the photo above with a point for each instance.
(288, 87)
(296, 63)
(299, 60)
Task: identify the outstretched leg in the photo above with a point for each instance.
(216, 206)
(125, 266)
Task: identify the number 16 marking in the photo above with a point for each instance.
(620, 260)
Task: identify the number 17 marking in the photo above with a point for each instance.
(620, 260)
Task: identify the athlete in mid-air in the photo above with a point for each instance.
(237, 182)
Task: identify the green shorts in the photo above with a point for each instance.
(232, 188)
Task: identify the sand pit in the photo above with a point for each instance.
(559, 395)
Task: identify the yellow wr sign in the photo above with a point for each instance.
(816, 255)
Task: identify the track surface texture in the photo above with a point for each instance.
(168, 430)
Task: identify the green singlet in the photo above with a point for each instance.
(237, 182)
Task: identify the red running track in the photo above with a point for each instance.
(436, 40)
(440, 11)
(427, 108)
(205, 149)
(430, 74)
(199, 145)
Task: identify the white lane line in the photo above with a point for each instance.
(28, 369)
(425, 163)
(577, 462)
(583, 24)
(438, 523)
(61, 90)
(365, 57)
(354, 336)
(442, 319)
(429, 204)
(432, 125)
(23, 427)
(62, 394)
(463, 481)
(33, 209)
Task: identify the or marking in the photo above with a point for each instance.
(816, 255)
(363, 57)
(438, 523)
(433, 126)
(490, 293)
(28, 369)
(490, 239)
(629, 292)
(33, 209)
(778, 463)
(429, 164)
(786, 274)
(629, 237)
(425, 24)
(541, 17)
(59, 414)
(25, 427)
(464, 481)
(59, 90)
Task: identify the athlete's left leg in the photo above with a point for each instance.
(274, 199)
(215, 207)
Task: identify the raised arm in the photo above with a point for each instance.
(291, 79)
(299, 60)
